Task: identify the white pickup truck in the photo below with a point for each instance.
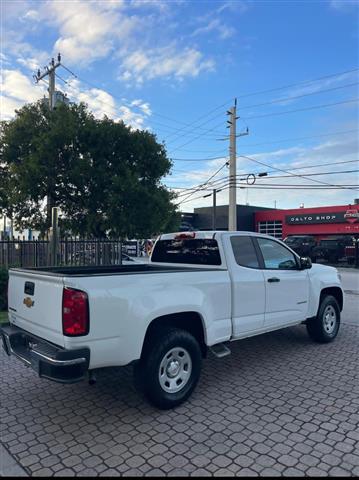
(200, 290)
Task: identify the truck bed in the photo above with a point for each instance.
(84, 271)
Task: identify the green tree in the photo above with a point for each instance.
(104, 176)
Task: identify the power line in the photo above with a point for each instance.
(183, 129)
(286, 171)
(311, 187)
(195, 121)
(225, 179)
(301, 138)
(72, 73)
(222, 150)
(314, 107)
(280, 100)
(267, 143)
(184, 134)
(197, 159)
(293, 85)
(210, 178)
(201, 135)
(305, 82)
(153, 112)
(60, 78)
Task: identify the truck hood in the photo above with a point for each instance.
(325, 275)
(317, 268)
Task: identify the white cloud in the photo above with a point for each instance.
(161, 5)
(102, 103)
(17, 89)
(123, 31)
(344, 5)
(144, 106)
(89, 30)
(31, 15)
(22, 52)
(166, 62)
(239, 6)
(215, 25)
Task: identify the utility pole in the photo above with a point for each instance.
(50, 71)
(232, 213)
(214, 208)
(214, 212)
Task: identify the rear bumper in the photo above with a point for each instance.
(47, 359)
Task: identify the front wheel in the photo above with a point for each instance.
(325, 326)
(169, 368)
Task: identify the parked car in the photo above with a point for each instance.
(128, 260)
(331, 249)
(302, 244)
(350, 254)
(200, 291)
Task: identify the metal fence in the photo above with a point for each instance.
(35, 253)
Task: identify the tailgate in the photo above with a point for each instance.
(35, 304)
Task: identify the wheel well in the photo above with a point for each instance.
(335, 292)
(189, 321)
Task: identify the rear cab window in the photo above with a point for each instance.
(195, 251)
(244, 252)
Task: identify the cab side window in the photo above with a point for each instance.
(244, 251)
(275, 256)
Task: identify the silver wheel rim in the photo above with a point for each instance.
(175, 370)
(330, 319)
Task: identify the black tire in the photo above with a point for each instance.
(157, 356)
(325, 326)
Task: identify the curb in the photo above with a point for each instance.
(9, 466)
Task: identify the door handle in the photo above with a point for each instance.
(273, 279)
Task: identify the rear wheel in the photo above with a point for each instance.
(169, 368)
(325, 326)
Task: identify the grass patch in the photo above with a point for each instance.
(3, 317)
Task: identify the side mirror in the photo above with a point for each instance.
(305, 263)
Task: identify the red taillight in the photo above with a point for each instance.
(75, 313)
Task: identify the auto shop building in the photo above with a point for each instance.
(320, 221)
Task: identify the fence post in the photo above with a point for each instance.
(54, 237)
(8, 253)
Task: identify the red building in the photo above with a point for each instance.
(319, 221)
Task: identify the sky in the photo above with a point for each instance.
(175, 68)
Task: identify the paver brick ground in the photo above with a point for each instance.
(279, 405)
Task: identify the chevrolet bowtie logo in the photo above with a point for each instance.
(28, 302)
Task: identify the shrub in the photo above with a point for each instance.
(3, 288)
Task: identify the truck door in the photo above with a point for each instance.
(287, 286)
(247, 285)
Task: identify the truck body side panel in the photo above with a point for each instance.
(122, 308)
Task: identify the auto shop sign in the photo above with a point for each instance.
(350, 216)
